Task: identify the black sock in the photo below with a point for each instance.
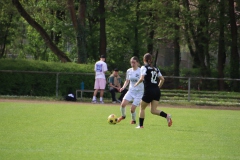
(163, 114)
(141, 121)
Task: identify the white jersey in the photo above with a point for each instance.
(100, 69)
(133, 76)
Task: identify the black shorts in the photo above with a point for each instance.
(151, 94)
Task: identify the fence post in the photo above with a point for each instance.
(189, 88)
(57, 84)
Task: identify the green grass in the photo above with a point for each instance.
(46, 130)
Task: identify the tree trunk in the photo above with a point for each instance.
(202, 36)
(151, 35)
(221, 45)
(177, 58)
(93, 43)
(234, 57)
(103, 40)
(79, 26)
(155, 59)
(73, 15)
(6, 35)
(136, 43)
(60, 54)
(81, 33)
(191, 33)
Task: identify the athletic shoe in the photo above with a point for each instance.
(169, 120)
(114, 102)
(133, 122)
(120, 118)
(101, 102)
(94, 101)
(139, 127)
(118, 101)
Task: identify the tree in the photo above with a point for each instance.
(176, 40)
(136, 34)
(60, 54)
(6, 25)
(150, 33)
(234, 57)
(79, 26)
(190, 34)
(103, 39)
(197, 32)
(5, 35)
(221, 44)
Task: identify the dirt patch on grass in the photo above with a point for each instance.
(110, 104)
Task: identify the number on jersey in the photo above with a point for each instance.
(154, 77)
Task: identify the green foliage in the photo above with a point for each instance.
(121, 25)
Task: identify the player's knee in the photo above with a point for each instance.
(132, 110)
(153, 111)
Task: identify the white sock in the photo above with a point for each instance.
(123, 111)
(94, 98)
(101, 98)
(134, 116)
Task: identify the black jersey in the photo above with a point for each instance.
(151, 79)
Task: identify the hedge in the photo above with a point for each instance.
(36, 84)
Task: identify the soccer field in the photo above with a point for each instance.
(60, 130)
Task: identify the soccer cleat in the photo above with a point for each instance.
(139, 127)
(120, 118)
(169, 120)
(133, 122)
(101, 102)
(114, 102)
(118, 101)
(94, 101)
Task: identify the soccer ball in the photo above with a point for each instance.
(112, 119)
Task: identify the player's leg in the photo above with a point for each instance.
(155, 111)
(123, 110)
(143, 106)
(96, 87)
(153, 106)
(146, 99)
(124, 103)
(133, 114)
(161, 113)
(136, 102)
(102, 85)
(101, 95)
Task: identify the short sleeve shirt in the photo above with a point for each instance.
(100, 69)
(133, 76)
(151, 75)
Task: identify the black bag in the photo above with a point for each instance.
(70, 97)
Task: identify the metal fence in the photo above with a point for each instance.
(188, 80)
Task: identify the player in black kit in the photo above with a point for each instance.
(153, 81)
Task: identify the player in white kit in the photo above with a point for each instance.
(134, 94)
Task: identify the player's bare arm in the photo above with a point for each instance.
(140, 80)
(161, 81)
(124, 85)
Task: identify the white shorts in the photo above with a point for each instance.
(135, 96)
(100, 83)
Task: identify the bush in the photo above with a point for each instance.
(43, 84)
